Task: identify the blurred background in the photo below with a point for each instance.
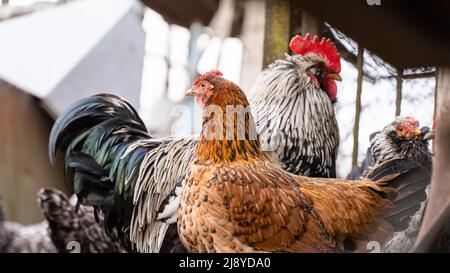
(55, 52)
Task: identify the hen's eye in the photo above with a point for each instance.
(203, 85)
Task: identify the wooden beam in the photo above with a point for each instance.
(419, 75)
(184, 13)
(276, 30)
(360, 64)
(378, 28)
(398, 97)
(414, 76)
(440, 182)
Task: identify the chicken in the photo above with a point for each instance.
(136, 179)
(17, 238)
(402, 138)
(236, 200)
(292, 103)
(75, 231)
(396, 141)
(62, 230)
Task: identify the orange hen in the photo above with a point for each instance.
(236, 200)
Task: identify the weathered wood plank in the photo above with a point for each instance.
(440, 184)
(276, 30)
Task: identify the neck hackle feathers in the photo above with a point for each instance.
(323, 48)
(227, 137)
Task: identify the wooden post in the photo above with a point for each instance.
(284, 19)
(276, 30)
(311, 24)
(440, 183)
(253, 40)
(359, 65)
(296, 18)
(398, 98)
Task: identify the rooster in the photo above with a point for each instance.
(65, 225)
(136, 179)
(236, 200)
(292, 102)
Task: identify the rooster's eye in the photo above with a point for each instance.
(313, 70)
(316, 71)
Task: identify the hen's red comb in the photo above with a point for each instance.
(214, 72)
(324, 48)
(412, 120)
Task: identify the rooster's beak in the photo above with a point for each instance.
(334, 76)
(191, 92)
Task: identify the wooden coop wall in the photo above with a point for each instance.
(24, 165)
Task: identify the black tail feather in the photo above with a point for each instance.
(84, 115)
(92, 136)
(409, 181)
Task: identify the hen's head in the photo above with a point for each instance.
(321, 62)
(402, 138)
(403, 128)
(211, 89)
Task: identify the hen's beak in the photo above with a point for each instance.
(417, 132)
(191, 92)
(334, 76)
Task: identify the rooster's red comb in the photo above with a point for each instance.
(214, 72)
(324, 48)
(412, 120)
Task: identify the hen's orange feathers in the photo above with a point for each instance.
(236, 200)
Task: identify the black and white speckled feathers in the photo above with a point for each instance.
(295, 118)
